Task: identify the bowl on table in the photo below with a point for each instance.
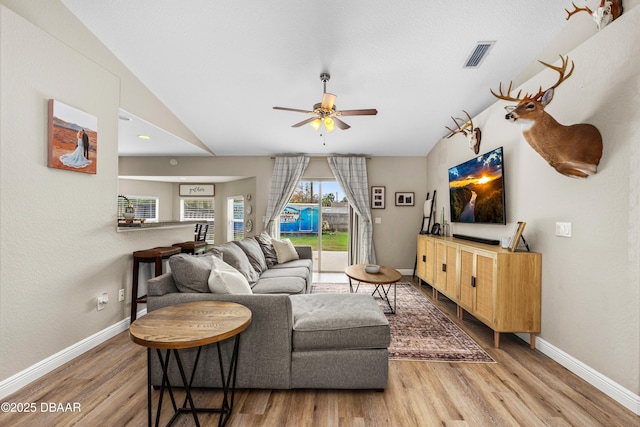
(372, 268)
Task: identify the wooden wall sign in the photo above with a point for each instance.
(197, 190)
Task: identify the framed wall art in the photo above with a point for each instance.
(405, 199)
(377, 197)
(72, 139)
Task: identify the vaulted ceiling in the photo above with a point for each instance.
(220, 67)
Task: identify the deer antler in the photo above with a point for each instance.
(507, 96)
(576, 10)
(561, 70)
(453, 132)
(466, 128)
(470, 121)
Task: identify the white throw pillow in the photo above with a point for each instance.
(225, 279)
(284, 250)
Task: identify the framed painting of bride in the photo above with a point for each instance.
(73, 138)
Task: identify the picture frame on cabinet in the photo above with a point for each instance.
(515, 239)
(377, 197)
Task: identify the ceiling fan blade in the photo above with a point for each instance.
(304, 122)
(327, 100)
(293, 109)
(342, 125)
(363, 112)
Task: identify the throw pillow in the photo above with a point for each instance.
(225, 279)
(236, 258)
(284, 250)
(191, 272)
(252, 249)
(267, 249)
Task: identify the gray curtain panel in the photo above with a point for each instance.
(351, 174)
(286, 174)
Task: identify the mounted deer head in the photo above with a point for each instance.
(472, 133)
(603, 15)
(574, 150)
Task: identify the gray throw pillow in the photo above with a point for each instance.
(252, 249)
(267, 249)
(190, 272)
(236, 258)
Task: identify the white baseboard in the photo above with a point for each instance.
(620, 394)
(32, 373)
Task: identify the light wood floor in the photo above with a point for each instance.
(523, 388)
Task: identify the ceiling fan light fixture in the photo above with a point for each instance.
(328, 124)
(316, 124)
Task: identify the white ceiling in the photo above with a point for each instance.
(222, 66)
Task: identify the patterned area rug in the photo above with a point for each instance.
(419, 330)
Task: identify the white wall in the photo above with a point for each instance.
(591, 281)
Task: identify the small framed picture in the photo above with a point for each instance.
(405, 199)
(515, 239)
(377, 197)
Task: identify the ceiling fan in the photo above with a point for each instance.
(325, 111)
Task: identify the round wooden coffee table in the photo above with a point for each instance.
(188, 325)
(386, 276)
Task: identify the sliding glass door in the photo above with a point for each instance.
(317, 215)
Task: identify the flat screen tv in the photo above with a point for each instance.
(476, 190)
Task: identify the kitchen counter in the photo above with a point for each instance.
(137, 226)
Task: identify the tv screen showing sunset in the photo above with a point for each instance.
(476, 190)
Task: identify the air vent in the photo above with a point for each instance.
(479, 53)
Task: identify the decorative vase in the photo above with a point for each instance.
(129, 213)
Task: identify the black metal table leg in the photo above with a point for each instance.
(385, 295)
(228, 386)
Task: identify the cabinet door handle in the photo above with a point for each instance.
(473, 281)
(424, 258)
(444, 267)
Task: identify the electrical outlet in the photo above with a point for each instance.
(121, 295)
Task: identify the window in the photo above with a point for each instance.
(199, 209)
(235, 218)
(145, 207)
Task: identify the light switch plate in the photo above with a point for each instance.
(563, 229)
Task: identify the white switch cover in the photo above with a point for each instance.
(378, 220)
(563, 229)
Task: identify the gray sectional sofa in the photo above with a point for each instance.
(296, 339)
